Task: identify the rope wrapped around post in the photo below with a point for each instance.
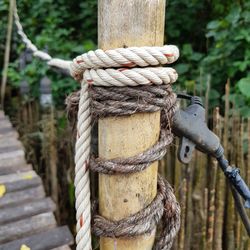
(118, 82)
(144, 89)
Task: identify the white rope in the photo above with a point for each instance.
(97, 68)
(55, 62)
(82, 186)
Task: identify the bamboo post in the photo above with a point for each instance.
(7, 51)
(219, 199)
(128, 23)
(212, 185)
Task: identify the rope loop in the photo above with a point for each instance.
(123, 58)
(145, 221)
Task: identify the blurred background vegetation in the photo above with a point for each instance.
(213, 37)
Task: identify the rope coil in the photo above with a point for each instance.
(145, 221)
(116, 100)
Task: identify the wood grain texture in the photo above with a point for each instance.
(26, 227)
(11, 142)
(22, 184)
(54, 239)
(12, 158)
(11, 154)
(23, 167)
(62, 248)
(23, 196)
(12, 161)
(14, 177)
(25, 210)
(128, 23)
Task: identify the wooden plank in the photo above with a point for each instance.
(12, 159)
(10, 142)
(20, 181)
(10, 148)
(11, 214)
(18, 177)
(55, 239)
(27, 227)
(5, 118)
(8, 132)
(5, 123)
(10, 199)
(23, 167)
(4, 130)
(62, 248)
(22, 185)
(12, 154)
(7, 135)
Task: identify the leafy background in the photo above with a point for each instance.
(213, 37)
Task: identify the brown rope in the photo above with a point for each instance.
(146, 220)
(133, 164)
(117, 101)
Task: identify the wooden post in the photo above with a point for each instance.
(128, 23)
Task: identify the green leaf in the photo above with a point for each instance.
(213, 25)
(213, 94)
(234, 15)
(182, 68)
(187, 49)
(244, 86)
(245, 111)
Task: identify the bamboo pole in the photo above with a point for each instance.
(128, 23)
(230, 209)
(219, 202)
(212, 185)
(7, 51)
(181, 245)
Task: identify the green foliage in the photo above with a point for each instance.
(64, 28)
(213, 37)
(229, 53)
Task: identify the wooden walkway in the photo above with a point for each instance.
(27, 221)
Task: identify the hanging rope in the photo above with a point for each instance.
(53, 62)
(123, 67)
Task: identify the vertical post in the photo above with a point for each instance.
(128, 23)
(49, 130)
(7, 51)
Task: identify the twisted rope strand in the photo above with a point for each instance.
(144, 221)
(124, 58)
(53, 62)
(127, 101)
(82, 185)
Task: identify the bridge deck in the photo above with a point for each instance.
(27, 221)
